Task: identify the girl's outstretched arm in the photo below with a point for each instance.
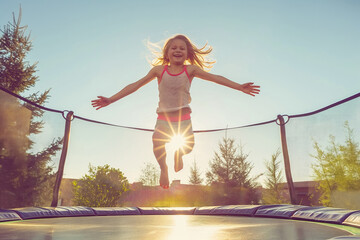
(101, 101)
(248, 88)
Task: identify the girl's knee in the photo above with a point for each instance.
(191, 143)
(159, 150)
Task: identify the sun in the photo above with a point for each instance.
(177, 141)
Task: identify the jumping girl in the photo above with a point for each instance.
(180, 63)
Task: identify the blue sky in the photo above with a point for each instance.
(303, 54)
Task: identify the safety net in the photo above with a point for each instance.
(55, 157)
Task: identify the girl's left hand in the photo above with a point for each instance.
(100, 102)
(250, 88)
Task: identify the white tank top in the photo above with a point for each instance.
(174, 91)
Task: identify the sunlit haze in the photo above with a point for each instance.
(304, 54)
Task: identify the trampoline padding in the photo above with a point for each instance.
(323, 214)
(278, 211)
(47, 212)
(167, 210)
(353, 219)
(76, 211)
(8, 215)
(204, 210)
(35, 212)
(114, 211)
(350, 237)
(233, 210)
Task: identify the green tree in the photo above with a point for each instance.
(25, 177)
(337, 167)
(231, 168)
(150, 175)
(195, 175)
(273, 192)
(102, 187)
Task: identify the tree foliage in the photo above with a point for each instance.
(195, 175)
(231, 169)
(102, 187)
(150, 175)
(230, 166)
(16, 74)
(25, 177)
(273, 194)
(337, 167)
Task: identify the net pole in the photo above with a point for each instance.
(285, 152)
(60, 171)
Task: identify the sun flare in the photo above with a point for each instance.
(178, 141)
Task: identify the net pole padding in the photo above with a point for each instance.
(60, 172)
(293, 197)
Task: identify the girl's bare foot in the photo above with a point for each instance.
(164, 178)
(178, 162)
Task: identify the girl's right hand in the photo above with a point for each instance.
(100, 102)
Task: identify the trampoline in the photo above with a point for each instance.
(220, 222)
(213, 222)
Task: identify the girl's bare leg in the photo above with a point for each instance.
(160, 155)
(178, 161)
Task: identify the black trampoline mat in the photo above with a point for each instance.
(170, 227)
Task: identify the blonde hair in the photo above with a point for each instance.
(196, 56)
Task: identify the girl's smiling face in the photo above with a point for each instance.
(177, 53)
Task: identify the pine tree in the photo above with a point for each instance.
(273, 192)
(195, 177)
(230, 166)
(25, 177)
(230, 175)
